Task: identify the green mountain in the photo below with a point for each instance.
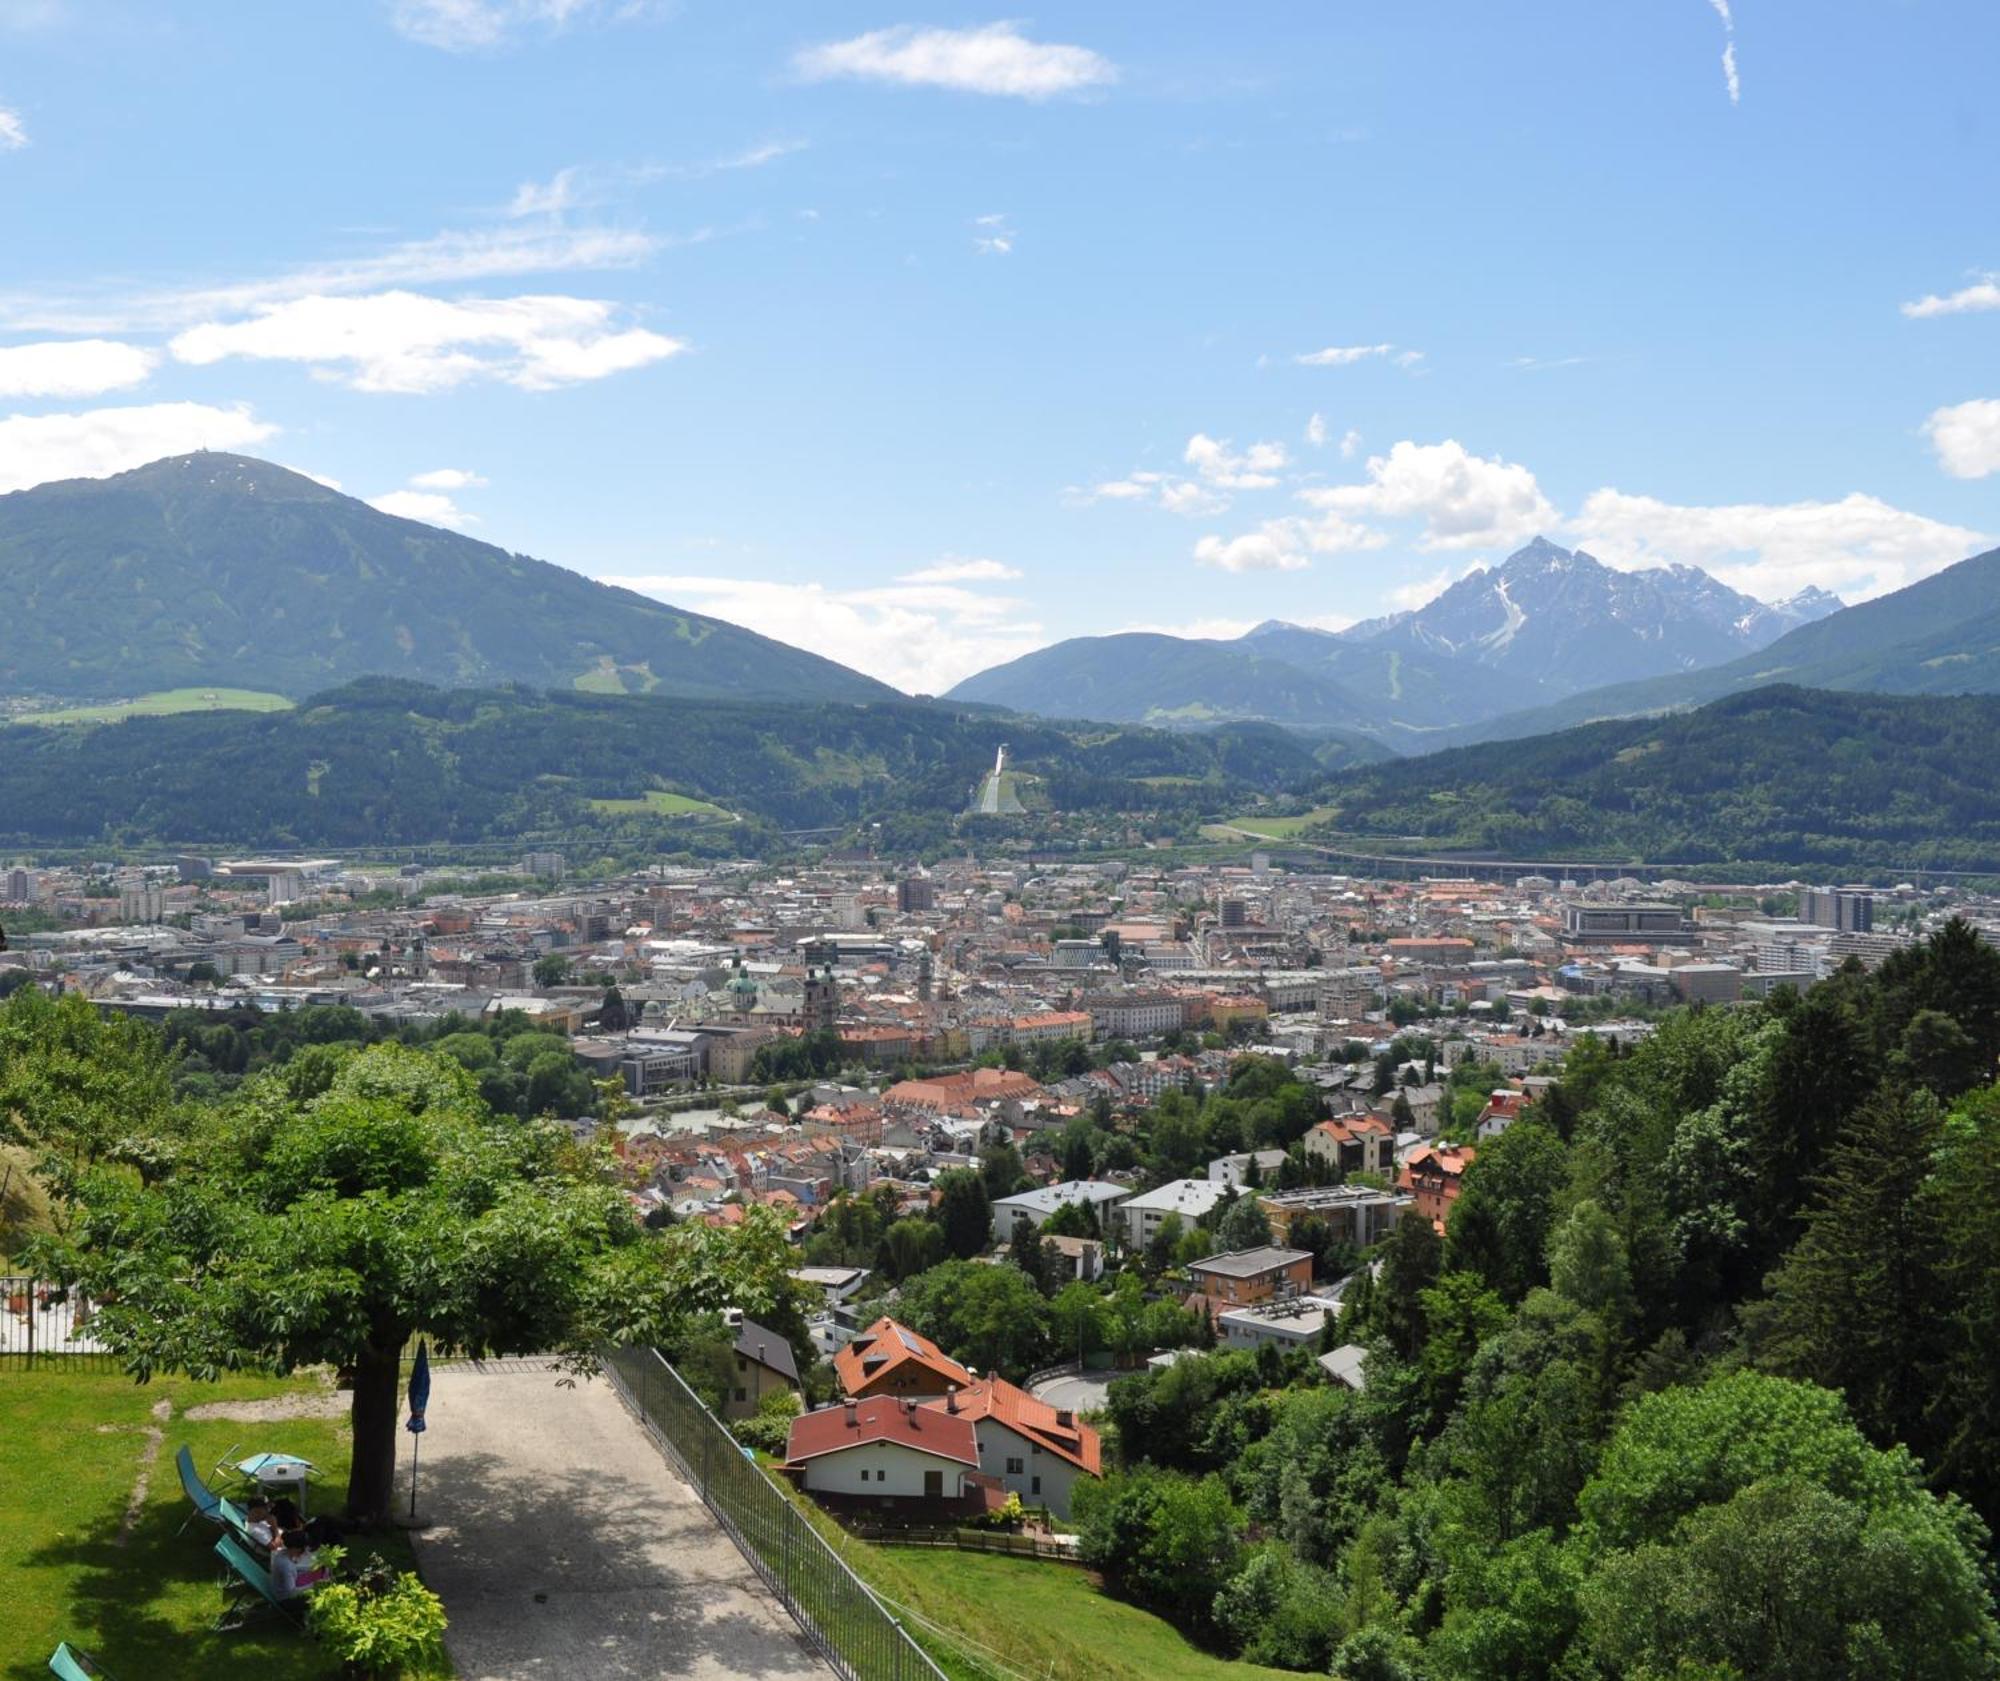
(222, 571)
(1171, 681)
(1940, 636)
(394, 763)
(1279, 674)
(1819, 780)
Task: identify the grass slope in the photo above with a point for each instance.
(140, 1599)
(162, 703)
(660, 803)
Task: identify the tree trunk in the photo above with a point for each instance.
(371, 1480)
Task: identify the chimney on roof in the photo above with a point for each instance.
(1065, 1418)
(853, 1416)
(951, 1398)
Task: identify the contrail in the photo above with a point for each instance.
(1730, 79)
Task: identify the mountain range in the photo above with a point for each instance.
(213, 569)
(1545, 624)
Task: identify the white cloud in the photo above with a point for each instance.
(1286, 544)
(1407, 598)
(431, 507)
(1273, 547)
(962, 569)
(1730, 80)
(1350, 444)
(994, 238)
(72, 367)
(1215, 462)
(560, 192)
(1342, 355)
(95, 442)
(462, 26)
(1466, 501)
(1857, 547)
(993, 58)
(13, 132)
(447, 478)
(1175, 495)
(920, 637)
(451, 257)
(1196, 630)
(408, 342)
(1982, 294)
(1966, 437)
(1316, 431)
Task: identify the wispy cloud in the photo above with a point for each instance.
(1539, 364)
(962, 569)
(1342, 355)
(408, 343)
(1730, 80)
(1316, 431)
(453, 257)
(466, 26)
(1982, 294)
(994, 58)
(13, 131)
(993, 237)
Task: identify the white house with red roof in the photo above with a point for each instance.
(887, 1449)
(1035, 1450)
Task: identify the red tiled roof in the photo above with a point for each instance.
(885, 1349)
(885, 1418)
(1035, 1420)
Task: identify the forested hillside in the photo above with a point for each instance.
(1791, 777)
(397, 763)
(1699, 1382)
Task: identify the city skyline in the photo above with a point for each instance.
(923, 339)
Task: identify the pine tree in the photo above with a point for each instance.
(1854, 1306)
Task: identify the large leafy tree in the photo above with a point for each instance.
(303, 1227)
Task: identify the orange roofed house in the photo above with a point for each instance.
(1036, 1451)
(1434, 1175)
(891, 1359)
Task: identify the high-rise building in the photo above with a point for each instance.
(1849, 910)
(1234, 913)
(916, 893)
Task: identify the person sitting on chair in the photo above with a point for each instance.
(293, 1571)
(259, 1523)
(321, 1532)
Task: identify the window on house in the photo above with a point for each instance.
(1036, 1486)
(742, 1394)
(1015, 1467)
(1036, 1450)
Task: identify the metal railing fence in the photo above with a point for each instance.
(851, 1627)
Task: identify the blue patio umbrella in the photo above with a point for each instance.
(420, 1398)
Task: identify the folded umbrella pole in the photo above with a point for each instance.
(420, 1398)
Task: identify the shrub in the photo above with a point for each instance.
(380, 1623)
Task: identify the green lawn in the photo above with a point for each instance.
(138, 1596)
(161, 702)
(659, 803)
(1282, 828)
(1009, 1617)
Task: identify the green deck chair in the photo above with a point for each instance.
(73, 1664)
(247, 1588)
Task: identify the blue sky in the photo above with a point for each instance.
(922, 337)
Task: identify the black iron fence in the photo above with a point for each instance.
(850, 1626)
(43, 1324)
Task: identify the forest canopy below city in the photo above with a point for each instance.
(1697, 1382)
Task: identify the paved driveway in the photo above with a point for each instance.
(564, 1547)
(1083, 1392)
